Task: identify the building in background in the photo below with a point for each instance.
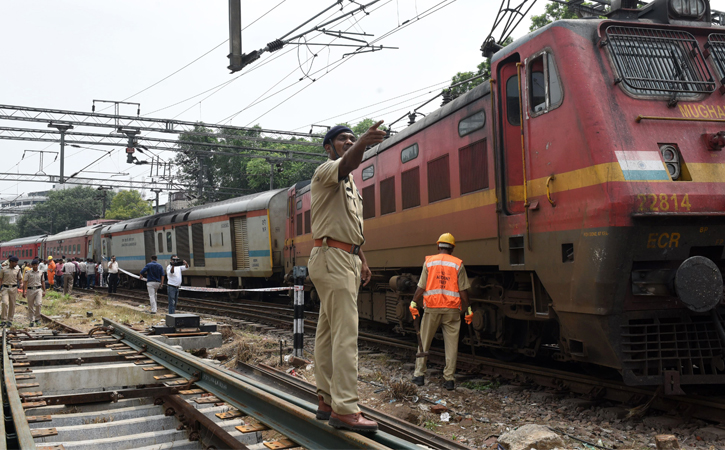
(15, 205)
(178, 200)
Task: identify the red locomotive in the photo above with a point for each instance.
(584, 186)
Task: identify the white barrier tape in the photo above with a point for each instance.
(206, 289)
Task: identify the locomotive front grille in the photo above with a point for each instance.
(687, 344)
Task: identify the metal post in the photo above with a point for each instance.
(271, 176)
(156, 191)
(62, 128)
(298, 328)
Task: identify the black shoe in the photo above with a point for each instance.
(418, 381)
(32, 324)
(450, 385)
(2, 324)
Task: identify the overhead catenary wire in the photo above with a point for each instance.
(426, 13)
(257, 66)
(197, 59)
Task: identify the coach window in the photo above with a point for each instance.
(545, 92)
(471, 123)
(409, 153)
(368, 172)
(161, 242)
(299, 204)
(168, 241)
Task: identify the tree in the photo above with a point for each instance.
(8, 231)
(247, 171)
(482, 69)
(554, 12)
(128, 205)
(64, 210)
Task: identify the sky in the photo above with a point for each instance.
(64, 54)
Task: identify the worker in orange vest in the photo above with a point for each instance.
(442, 285)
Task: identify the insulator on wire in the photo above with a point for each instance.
(275, 45)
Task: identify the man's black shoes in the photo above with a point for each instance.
(418, 381)
(450, 385)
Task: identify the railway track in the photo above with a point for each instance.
(561, 381)
(117, 388)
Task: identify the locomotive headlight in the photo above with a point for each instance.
(671, 156)
(688, 9)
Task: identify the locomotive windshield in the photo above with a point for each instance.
(659, 62)
(716, 46)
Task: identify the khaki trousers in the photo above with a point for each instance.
(450, 321)
(67, 283)
(336, 275)
(8, 303)
(35, 300)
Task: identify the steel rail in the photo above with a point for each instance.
(273, 409)
(21, 437)
(389, 424)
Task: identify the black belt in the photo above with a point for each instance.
(8, 285)
(36, 287)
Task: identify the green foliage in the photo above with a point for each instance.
(128, 205)
(64, 210)
(431, 425)
(482, 69)
(246, 171)
(8, 230)
(554, 12)
(480, 386)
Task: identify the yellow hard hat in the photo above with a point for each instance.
(447, 238)
(49, 258)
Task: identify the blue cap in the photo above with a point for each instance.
(334, 131)
(34, 262)
(13, 259)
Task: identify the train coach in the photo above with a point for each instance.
(585, 187)
(25, 248)
(81, 243)
(232, 244)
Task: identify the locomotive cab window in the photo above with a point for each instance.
(368, 172)
(513, 112)
(409, 153)
(545, 93)
(471, 123)
(716, 46)
(658, 63)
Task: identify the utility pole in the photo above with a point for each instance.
(104, 198)
(271, 176)
(62, 128)
(156, 191)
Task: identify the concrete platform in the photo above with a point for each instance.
(211, 340)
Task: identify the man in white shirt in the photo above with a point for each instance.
(174, 279)
(112, 275)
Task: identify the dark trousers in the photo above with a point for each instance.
(172, 294)
(82, 280)
(90, 280)
(112, 283)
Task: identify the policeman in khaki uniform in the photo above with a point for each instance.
(34, 291)
(336, 266)
(442, 286)
(10, 279)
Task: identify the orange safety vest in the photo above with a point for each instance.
(441, 287)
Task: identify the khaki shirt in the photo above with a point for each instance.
(33, 279)
(463, 282)
(10, 276)
(336, 206)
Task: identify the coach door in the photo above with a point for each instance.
(240, 245)
(511, 137)
(148, 244)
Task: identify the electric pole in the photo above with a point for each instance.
(62, 128)
(156, 191)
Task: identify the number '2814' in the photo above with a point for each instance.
(663, 202)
